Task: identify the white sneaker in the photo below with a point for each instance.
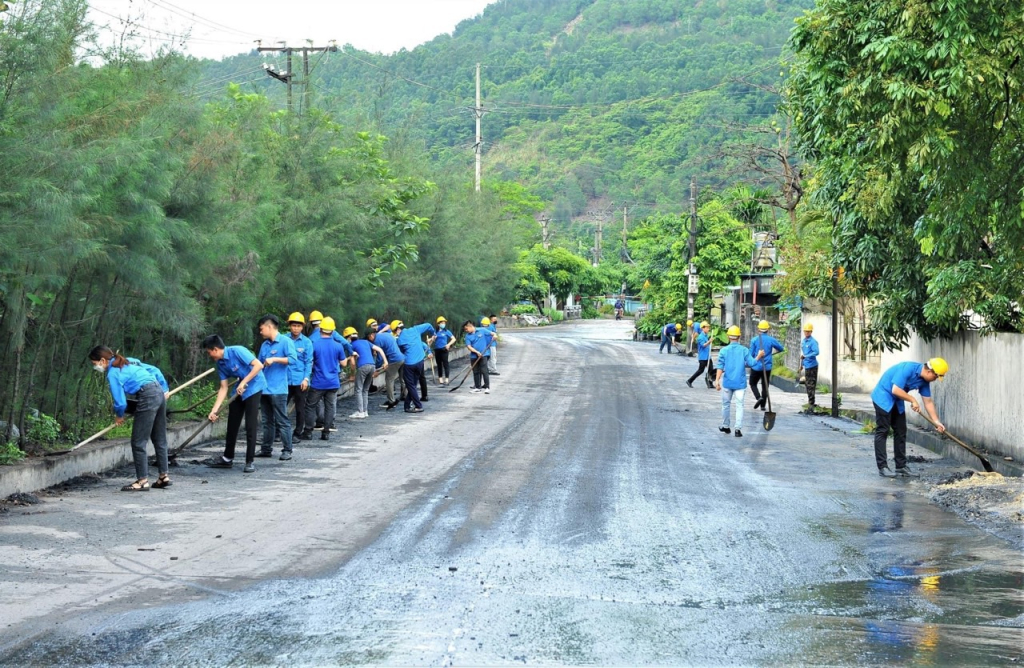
(487, 391)
(476, 390)
(356, 415)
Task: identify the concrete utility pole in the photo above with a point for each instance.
(624, 229)
(835, 339)
(479, 136)
(692, 292)
(288, 77)
(544, 234)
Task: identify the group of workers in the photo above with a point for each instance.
(303, 367)
(731, 380)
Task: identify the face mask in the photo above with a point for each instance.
(98, 367)
(442, 326)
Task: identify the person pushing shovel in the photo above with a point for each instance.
(888, 396)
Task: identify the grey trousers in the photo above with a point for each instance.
(364, 379)
(330, 402)
(150, 423)
(492, 360)
(392, 380)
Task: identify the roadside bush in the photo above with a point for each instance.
(10, 453)
(42, 429)
(554, 315)
(590, 313)
(606, 309)
(523, 309)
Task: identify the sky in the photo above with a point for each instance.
(218, 28)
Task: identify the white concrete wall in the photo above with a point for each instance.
(853, 376)
(980, 400)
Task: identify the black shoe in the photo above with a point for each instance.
(325, 436)
(218, 463)
(296, 434)
(306, 436)
(423, 399)
(689, 383)
(495, 373)
(285, 456)
(250, 467)
(758, 403)
(318, 425)
(885, 472)
(738, 433)
(904, 472)
(265, 453)
(725, 430)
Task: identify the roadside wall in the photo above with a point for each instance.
(979, 400)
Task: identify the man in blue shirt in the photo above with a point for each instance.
(668, 336)
(328, 359)
(695, 332)
(299, 373)
(478, 342)
(385, 340)
(809, 352)
(731, 379)
(236, 362)
(761, 373)
(892, 390)
(703, 352)
(410, 342)
(277, 355)
(314, 322)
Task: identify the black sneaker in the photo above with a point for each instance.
(885, 472)
(905, 472)
(218, 463)
(285, 456)
(738, 433)
(689, 383)
(495, 373)
(424, 399)
(318, 425)
(265, 453)
(325, 436)
(250, 467)
(725, 430)
(306, 436)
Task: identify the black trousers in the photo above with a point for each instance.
(250, 410)
(811, 383)
(298, 397)
(413, 375)
(481, 376)
(759, 381)
(441, 356)
(897, 422)
(700, 370)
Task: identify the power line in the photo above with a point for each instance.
(188, 14)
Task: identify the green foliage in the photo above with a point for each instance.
(42, 428)
(523, 309)
(10, 453)
(910, 111)
(554, 314)
(562, 271)
(589, 313)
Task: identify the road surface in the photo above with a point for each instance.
(587, 511)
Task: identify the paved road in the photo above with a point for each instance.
(586, 512)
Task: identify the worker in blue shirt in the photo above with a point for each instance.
(695, 332)
(478, 342)
(157, 373)
(731, 379)
(386, 341)
(314, 322)
(328, 359)
(668, 336)
(703, 352)
(410, 342)
(365, 353)
(893, 389)
(444, 339)
(150, 417)
(236, 362)
(491, 324)
(277, 355)
(761, 373)
(299, 373)
(809, 352)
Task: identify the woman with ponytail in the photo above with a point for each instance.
(123, 378)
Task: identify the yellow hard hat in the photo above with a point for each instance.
(485, 322)
(371, 323)
(734, 331)
(297, 317)
(939, 366)
(764, 326)
(326, 325)
(316, 315)
(396, 324)
(705, 324)
(678, 326)
(349, 331)
(441, 319)
(808, 327)
(689, 323)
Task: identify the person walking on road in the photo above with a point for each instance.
(695, 332)
(364, 352)
(444, 339)
(386, 341)
(731, 379)
(328, 359)
(809, 352)
(703, 352)
(478, 342)
(668, 336)
(410, 342)
(150, 421)
(761, 372)
(236, 362)
(299, 372)
(893, 389)
(278, 356)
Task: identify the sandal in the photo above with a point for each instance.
(137, 486)
(163, 482)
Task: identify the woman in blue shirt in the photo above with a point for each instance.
(150, 421)
(443, 342)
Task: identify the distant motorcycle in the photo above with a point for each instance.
(620, 309)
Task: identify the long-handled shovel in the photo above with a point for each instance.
(769, 416)
(984, 462)
(193, 435)
(111, 427)
(466, 375)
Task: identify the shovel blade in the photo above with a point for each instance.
(769, 420)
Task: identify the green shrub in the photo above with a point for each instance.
(590, 313)
(523, 309)
(554, 314)
(605, 309)
(10, 453)
(42, 429)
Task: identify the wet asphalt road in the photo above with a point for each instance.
(608, 522)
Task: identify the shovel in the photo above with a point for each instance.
(205, 423)
(984, 462)
(468, 371)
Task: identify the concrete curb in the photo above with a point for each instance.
(37, 473)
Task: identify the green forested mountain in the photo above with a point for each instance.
(591, 104)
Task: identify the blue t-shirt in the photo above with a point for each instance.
(237, 363)
(905, 375)
(386, 342)
(410, 341)
(703, 346)
(493, 329)
(327, 357)
(302, 369)
(276, 375)
(157, 373)
(126, 380)
(696, 329)
(771, 346)
(734, 360)
(443, 337)
(809, 348)
(480, 340)
(669, 330)
(364, 350)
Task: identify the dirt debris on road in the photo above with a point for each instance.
(988, 500)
